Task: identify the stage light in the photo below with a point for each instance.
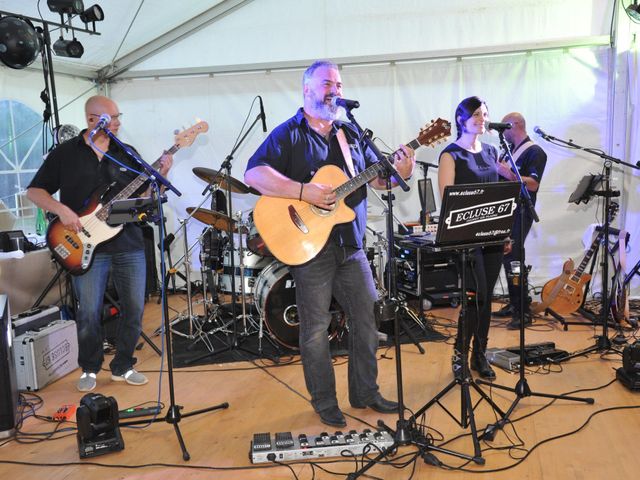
(92, 14)
(68, 48)
(634, 11)
(66, 6)
(19, 42)
(64, 132)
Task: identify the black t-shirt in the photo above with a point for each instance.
(73, 169)
(531, 163)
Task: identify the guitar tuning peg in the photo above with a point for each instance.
(176, 131)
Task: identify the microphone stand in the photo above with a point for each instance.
(423, 196)
(173, 415)
(521, 388)
(603, 343)
(405, 433)
(234, 345)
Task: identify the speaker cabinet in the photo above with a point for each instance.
(8, 384)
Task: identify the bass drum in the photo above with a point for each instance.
(275, 298)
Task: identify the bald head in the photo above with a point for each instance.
(517, 120)
(96, 106)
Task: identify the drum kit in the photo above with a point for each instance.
(264, 286)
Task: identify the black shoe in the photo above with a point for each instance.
(332, 416)
(506, 311)
(480, 364)
(381, 405)
(514, 324)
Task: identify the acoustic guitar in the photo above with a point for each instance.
(295, 231)
(75, 250)
(565, 294)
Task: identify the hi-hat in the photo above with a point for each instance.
(209, 175)
(210, 217)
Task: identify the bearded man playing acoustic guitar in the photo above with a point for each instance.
(77, 169)
(283, 167)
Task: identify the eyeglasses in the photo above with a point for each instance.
(113, 117)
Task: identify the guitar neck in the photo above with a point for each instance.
(583, 264)
(130, 189)
(367, 175)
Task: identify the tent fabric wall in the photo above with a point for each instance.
(565, 92)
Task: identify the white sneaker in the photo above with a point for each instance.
(132, 377)
(87, 382)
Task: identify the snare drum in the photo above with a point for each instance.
(253, 264)
(275, 298)
(255, 243)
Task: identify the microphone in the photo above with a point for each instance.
(344, 103)
(262, 115)
(499, 127)
(427, 164)
(104, 119)
(539, 131)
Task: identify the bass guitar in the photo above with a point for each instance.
(295, 231)
(75, 250)
(565, 294)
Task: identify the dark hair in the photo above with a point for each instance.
(465, 110)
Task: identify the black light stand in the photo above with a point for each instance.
(602, 343)
(173, 415)
(521, 388)
(404, 433)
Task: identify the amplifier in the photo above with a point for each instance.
(421, 272)
(46, 355)
(284, 447)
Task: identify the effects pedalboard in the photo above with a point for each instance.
(284, 447)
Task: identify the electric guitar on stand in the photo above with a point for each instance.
(75, 250)
(295, 231)
(565, 294)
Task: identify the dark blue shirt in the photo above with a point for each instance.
(472, 167)
(297, 151)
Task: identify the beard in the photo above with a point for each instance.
(322, 109)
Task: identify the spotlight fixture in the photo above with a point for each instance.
(19, 42)
(68, 48)
(69, 7)
(634, 11)
(92, 14)
(64, 132)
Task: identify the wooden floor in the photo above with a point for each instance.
(267, 398)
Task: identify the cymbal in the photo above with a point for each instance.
(215, 219)
(209, 175)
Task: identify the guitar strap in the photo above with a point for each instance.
(346, 151)
(521, 150)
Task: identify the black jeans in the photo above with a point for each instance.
(514, 255)
(481, 275)
(344, 273)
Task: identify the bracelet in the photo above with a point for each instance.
(301, 187)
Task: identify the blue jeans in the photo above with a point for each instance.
(345, 273)
(128, 271)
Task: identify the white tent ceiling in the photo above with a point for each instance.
(158, 37)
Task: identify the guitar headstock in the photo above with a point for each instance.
(186, 137)
(435, 132)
